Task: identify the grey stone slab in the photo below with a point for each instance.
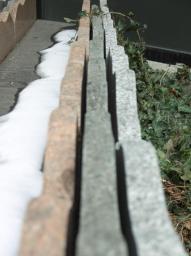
(97, 69)
(97, 24)
(119, 58)
(103, 3)
(100, 232)
(97, 90)
(96, 49)
(126, 105)
(151, 225)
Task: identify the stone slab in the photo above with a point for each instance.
(100, 232)
(126, 105)
(96, 48)
(47, 220)
(150, 223)
(46, 229)
(14, 22)
(97, 89)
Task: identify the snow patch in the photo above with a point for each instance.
(23, 136)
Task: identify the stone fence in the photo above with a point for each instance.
(102, 188)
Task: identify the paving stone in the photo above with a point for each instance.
(151, 225)
(18, 69)
(19, 65)
(7, 99)
(100, 232)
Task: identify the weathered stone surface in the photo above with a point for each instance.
(97, 90)
(60, 156)
(151, 226)
(100, 232)
(125, 84)
(46, 227)
(119, 58)
(96, 49)
(97, 25)
(126, 105)
(14, 23)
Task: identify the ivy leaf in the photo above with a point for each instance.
(184, 109)
(83, 14)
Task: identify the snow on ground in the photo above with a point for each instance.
(23, 135)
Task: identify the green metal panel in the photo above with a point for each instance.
(169, 22)
(58, 9)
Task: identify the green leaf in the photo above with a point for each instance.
(184, 109)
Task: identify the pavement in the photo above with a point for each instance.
(18, 69)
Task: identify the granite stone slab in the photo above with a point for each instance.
(97, 25)
(97, 90)
(151, 225)
(96, 48)
(100, 232)
(119, 58)
(126, 106)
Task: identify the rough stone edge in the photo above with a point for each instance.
(46, 234)
(126, 107)
(45, 230)
(171, 247)
(153, 231)
(108, 240)
(14, 24)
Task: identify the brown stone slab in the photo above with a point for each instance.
(14, 23)
(47, 220)
(71, 89)
(60, 157)
(46, 227)
(25, 17)
(7, 38)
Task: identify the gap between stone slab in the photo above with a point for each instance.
(74, 220)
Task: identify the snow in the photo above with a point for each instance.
(23, 136)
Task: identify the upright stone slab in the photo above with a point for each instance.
(97, 91)
(125, 84)
(151, 226)
(100, 232)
